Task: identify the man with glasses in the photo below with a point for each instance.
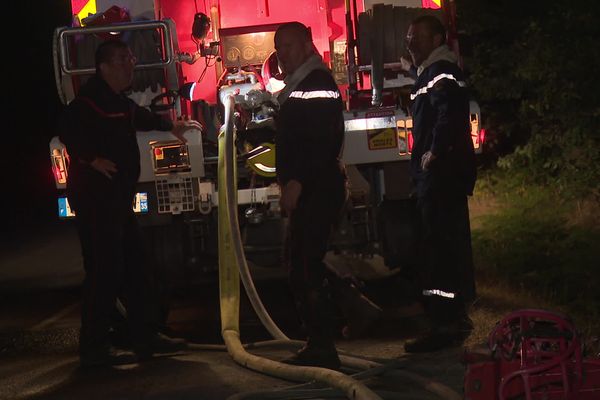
(443, 172)
(98, 129)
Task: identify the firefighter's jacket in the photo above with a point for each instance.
(102, 123)
(310, 131)
(441, 124)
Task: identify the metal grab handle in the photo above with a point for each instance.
(64, 33)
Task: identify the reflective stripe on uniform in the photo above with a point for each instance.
(435, 80)
(438, 292)
(315, 94)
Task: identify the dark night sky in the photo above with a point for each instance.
(32, 114)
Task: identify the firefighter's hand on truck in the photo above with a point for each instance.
(289, 196)
(104, 166)
(405, 64)
(181, 126)
(426, 160)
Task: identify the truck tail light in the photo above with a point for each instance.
(476, 131)
(59, 159)
(405, 137)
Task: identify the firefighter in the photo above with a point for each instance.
(98, 129)
(443, 171)
(310, 132)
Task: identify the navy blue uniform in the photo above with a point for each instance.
(310, 133)
(441, 125)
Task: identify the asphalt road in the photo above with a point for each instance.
(39, 321)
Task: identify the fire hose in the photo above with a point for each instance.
(233, 265)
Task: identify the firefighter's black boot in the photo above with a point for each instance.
(94, 353)
(359, 311)
(316, 310)
(450, 326)
(313, 355)
(159, 344)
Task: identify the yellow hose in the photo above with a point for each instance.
(229, 278)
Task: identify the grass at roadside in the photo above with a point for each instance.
(535, 248)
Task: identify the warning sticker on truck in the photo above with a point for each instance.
(385, 138)
(381, 129)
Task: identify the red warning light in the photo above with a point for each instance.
(433, 4)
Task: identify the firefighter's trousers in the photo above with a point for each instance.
(114, 263)
(447, 275)
(308, 232)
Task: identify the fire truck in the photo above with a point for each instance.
(192, 54)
